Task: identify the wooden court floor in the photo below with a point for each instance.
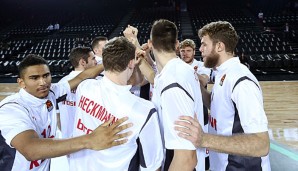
(280, 102)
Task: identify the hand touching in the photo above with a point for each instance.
(190, 129)
(107, 135)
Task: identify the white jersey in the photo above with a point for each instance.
(234, 85)
(98, 59)
(97, 101)
(176, 93)
(67, 107)
(21, 112)
(199, 67)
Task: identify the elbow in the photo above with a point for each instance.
(30, 155)
(265, 150)
(264, 146)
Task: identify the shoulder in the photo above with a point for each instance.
(143, 105)
(13, 103)
(240, 73)
(88, 84)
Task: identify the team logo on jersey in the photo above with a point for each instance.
(196, 75)
(195, 68)
(49, 105)
(222, 80)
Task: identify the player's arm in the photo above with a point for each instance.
(183, 160)
(203, 79)
(206, 96)
(33, 148)
(254, 145)
(145, 68)
(88, 73)
(254, 142)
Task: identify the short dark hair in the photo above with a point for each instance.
(95, 41)
(117, 53)
(164, 35)
(31, 60)
(221, 31)
(79, 53)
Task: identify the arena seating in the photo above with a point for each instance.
(269, 52)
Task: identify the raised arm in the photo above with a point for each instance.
(88, 73)
(145, 68)
(30, 145)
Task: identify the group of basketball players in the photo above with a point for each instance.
(109, 128)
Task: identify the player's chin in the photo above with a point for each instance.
(204, 58)
(42, 94)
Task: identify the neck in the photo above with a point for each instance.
(191, 61)
(162, 58)
(224, 57)
(119, 78)
(79, 68)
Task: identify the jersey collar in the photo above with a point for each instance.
(116, 87)
(31, 100)
(227, 64)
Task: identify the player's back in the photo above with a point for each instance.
(97, 101)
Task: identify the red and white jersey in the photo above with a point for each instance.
(199, 67)
(67, 107)
(176, 93)
(236, 107)
(21, 112)
(97, 101)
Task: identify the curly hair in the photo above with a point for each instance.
(221, 31)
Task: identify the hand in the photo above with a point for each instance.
(190, 129)
(203, 79)
(145, 47)
(140, 54)
(106, 135)
(130, 32)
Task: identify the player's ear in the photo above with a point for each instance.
(131, 64)
(177, 44)
(82, 62)
(149, 43)
(21, 82)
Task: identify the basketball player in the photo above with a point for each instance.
(238, 127)
(113, 99)
(81, 58)
(187, 53)
(97, 45)
(176, 91)
(28, 121)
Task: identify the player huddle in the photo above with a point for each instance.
(109, 128)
